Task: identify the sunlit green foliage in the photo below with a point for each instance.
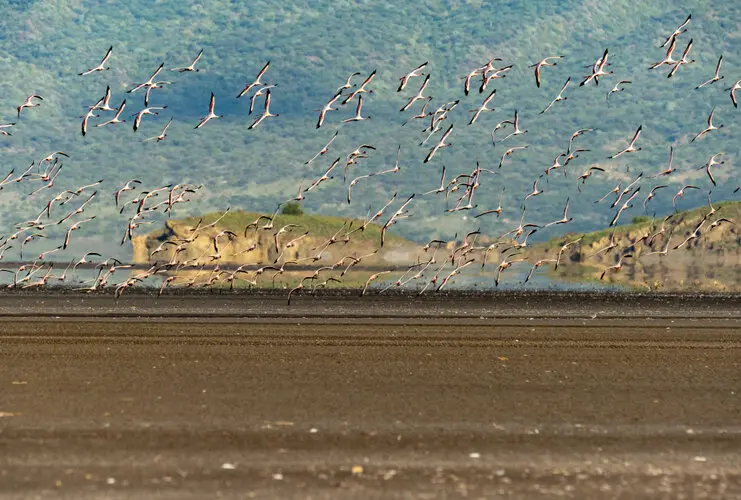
(292, 208)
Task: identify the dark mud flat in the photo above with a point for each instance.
(231, 397)
(341, 304)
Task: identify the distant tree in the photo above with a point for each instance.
(292, 208)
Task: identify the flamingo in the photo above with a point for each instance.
(497, 210)
(626, 190)
(79, 209)
(191, 67)
(711, 163)
(693, 235)
(559, 97)
(74, 227)
(357, 116)
(260, 91)
(265, 114)
(324, 150)
(152, 110)
(652, 193)
(361, 89)
(371, 278)
(401, 213)
(476, 112)
(509, 153)
(564, 219)
(442, 184)
(504, 265)
(716, 77)
(155, 85)
(101, 66)
(626, 205)
(347, 84)
(256, 82)
(516, 125)
(539, 263)
(597, 70)
(670, 169)
(681, 193)
(588, 173)
(104, 104)
(539, 65)
(115, 119)
(85, 118)
(682, 61)
(666, 247)
(418, 96)
(563, 249)
(736, 86)
(439, 145)
(454, 272)
(492, 74)
(28, 103)
(631, 147)
(422, 114)
(162, 135)
(414, 73)
(617, 88)
(668, 59)
(149, 83)
(709, 128)
(615, 268)
(718, 222)
(327, 108)
(4, 126)
(681, 29)
(210, 114)
(129, 186)
(535, 191)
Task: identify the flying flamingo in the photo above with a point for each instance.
(191, 67)
(414, 73)
(256, 82)
(542, 63)
(101, 66)
(210, 114)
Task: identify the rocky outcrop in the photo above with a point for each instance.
(261, 246)
(710, 262)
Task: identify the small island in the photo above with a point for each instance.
(286, 243)
(709, 261)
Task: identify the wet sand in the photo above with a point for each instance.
(587, 396)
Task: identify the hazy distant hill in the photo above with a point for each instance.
(313, 46)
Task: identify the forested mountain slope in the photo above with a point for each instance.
(313, 46)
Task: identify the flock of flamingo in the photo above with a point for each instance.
(431, 270)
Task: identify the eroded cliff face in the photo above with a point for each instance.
(710, 262)
(139, 250)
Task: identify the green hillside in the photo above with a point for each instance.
(313, 47)
(318, 226)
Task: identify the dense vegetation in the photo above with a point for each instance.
(314, 46)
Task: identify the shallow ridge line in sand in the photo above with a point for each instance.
(427, 316)
(372, 341)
